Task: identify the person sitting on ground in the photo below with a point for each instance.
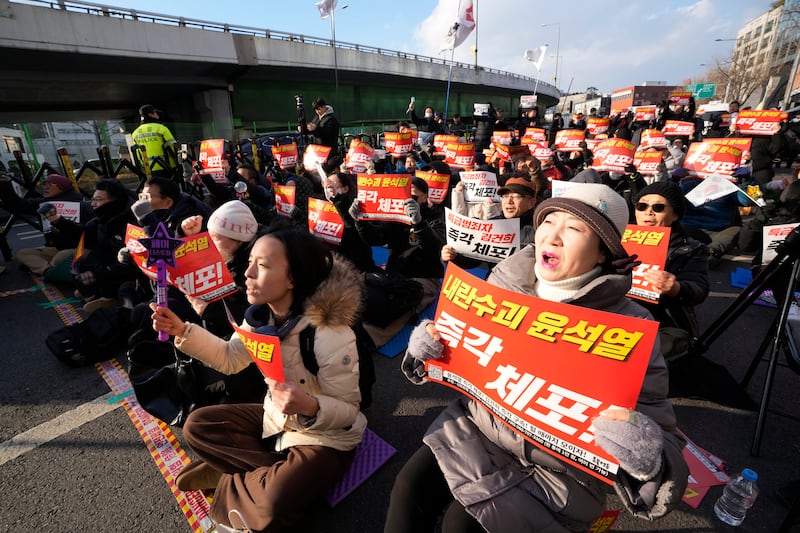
(719, 219)
(340, 190)
(576, 258)
(97, 272)
(257, 192)
(58, 247)
(413, 252)
(161, 200)
(683, 283)
(293, 448)
(786, 210)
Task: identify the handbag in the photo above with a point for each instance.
(168, 383)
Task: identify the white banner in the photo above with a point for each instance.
(486, 240)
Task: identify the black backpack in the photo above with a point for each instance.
(101, 336)
(366, 366)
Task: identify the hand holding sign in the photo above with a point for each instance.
(161, 252)
(632, 438)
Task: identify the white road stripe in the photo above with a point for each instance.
(44, 433)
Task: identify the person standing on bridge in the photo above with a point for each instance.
(156, 138)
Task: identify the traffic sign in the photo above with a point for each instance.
(702, 90)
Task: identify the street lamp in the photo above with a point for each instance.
(558, 44)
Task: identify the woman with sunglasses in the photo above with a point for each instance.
(683, 283)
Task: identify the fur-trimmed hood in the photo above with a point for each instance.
(339, 298)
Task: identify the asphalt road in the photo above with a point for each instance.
(88, 468)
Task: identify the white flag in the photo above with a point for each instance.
(711, 188)
(326, 7)
(462, 27)
(536, 56)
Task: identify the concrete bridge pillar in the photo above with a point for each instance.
(213, 107)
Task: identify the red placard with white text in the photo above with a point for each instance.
(569, 140)
(358, 155)
(533, 136)
(678, 128)
(647, 162)
(752, 122)
(613, 155)
(510, 153)
(437, 185)
(210, 159)
(199, 269)
(286, 155)
(517, 354)
(382, 196)
(460, 155)
(742, 143)
(653, 139)
(502, 137)
(680, 97)
(651, 244)
(596, 125)
(440, 140)
(315, 154)
(284, 198)
(706, 158)
(324, 221)
(542, 152)
(644, 113)
(398, 144)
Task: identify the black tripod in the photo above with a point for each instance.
(780, 274)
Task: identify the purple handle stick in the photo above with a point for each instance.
(161, 293)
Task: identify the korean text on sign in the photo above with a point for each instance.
(478, 186)
(324, 221)
(651, 245)
(382, 196)
(517, 354)
(487, 240)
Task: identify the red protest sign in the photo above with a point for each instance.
(284, 198)
(680, 97)
(678, 128)
(533, 135)
(644, 113)
(502, 137)
(382, 196)
(398, 144)
(742, 143)
(510, 153)
(517, 355)
(199, 270)
(650, 244)
(315, 154)
(210, 159)
(653, 139)
(460, 155)
(647, 162)
(286, 155)
(706, 158)
(358, 155)
(597, 125)
(613, 155)
(542, 152)
(752, 122)
(569, 140)
(265, 351)
(440, 141)
(324, 221)
(437, 185)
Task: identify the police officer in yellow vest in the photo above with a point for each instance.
(154, 136)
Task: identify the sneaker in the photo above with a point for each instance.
(99, 303)
(197, 476)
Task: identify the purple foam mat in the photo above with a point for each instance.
(371, 454)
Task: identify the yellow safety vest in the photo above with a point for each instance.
(153, 136)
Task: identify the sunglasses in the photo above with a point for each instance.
(657, 208)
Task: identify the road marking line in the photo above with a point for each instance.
(58, 426)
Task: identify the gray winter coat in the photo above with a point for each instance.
(510, 485)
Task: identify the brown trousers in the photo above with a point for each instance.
(269, 489)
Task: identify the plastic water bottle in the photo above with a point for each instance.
(737, 497)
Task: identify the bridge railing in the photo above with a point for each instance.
(90, 8)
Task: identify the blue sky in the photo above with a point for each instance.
(608, 44)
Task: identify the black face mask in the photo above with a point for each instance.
(109, 209)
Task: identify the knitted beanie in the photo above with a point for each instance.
(234, 220)
(605, 211)
(671, 193)
(62, 182)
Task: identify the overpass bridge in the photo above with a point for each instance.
(74, 60)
